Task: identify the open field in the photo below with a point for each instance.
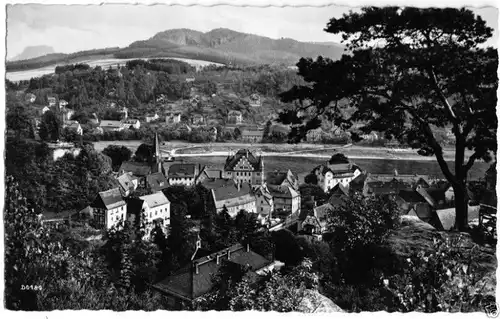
(185, 149)
(104, 63)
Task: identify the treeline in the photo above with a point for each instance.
(165, 65)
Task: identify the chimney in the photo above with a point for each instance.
(196, 268)
(247, 153)
(218, 259)
(228, 254)
(248, 248)
(395, 172)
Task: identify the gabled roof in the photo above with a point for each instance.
(234, 113)
(214, 183)
(282, 191)
(130, 121)
(229, 195)
(340, 189)
(231, 161)
(182, 170)
(322, 211)
(195, 279)
(136, 168)
(156, 181)
(156, 199)
(126, 181)
(108, 199)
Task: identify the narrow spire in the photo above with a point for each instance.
(157, 155)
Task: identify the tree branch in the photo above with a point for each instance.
(442, 97)
(471, 161)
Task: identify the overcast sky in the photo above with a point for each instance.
(76, 27)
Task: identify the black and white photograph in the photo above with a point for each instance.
(289, 157)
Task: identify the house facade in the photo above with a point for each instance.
(108, 126)
(235, 197)
(285, 198)
(157, 209)
(197, 119)
(330, 175)
(131, 123)
(128, 183)
(108, 209)
(264, 202)
(283, 178)
(252, 136)
(173, 118)
(75, 126)
(245, 168)
(234, 117)
(183, 174)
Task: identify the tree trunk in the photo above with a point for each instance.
(461, 207)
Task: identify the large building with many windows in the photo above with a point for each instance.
(245, 168)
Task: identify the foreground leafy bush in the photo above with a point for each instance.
(357, 229)
(446, 279)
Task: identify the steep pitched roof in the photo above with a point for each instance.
(126, 181)
(231, 161)
(215, 183)
(108, 199)
(136, 168)
(195, 279)
(340, 189)
(229, 195)
(156, 199)
(182, 170)
(282, 191)
(156, 181)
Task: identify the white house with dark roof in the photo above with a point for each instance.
(108, 208)
(182, 174)
(264, 202)
(173, 118)
(331, 175)
(131, 123)
(252, 136)
(157, 207)
(235, 197)
(108, 126)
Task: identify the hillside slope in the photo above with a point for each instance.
(32, 52)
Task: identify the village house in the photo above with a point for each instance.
(197, 119)
(234, 117)
(108, 209)
(235, 197)
(45, 109)
(209, 173)
(156, 182)
(190, 80)
(330, 175)
(152, 118)
(254, 100)
(385, 184)
(287, 178)
(244, 167)
(153, 210)
(173, 118)
(252, 136)
(52, 101)
(264, 203)
(109, 126)
(196, 278)
(183, 174)
(128, 183)
(138, 169)
(131, 123)
(285, 198)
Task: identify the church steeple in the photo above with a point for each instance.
(157, 155)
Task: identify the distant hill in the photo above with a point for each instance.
(33, 52)
(225, 46)
(219, 46)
